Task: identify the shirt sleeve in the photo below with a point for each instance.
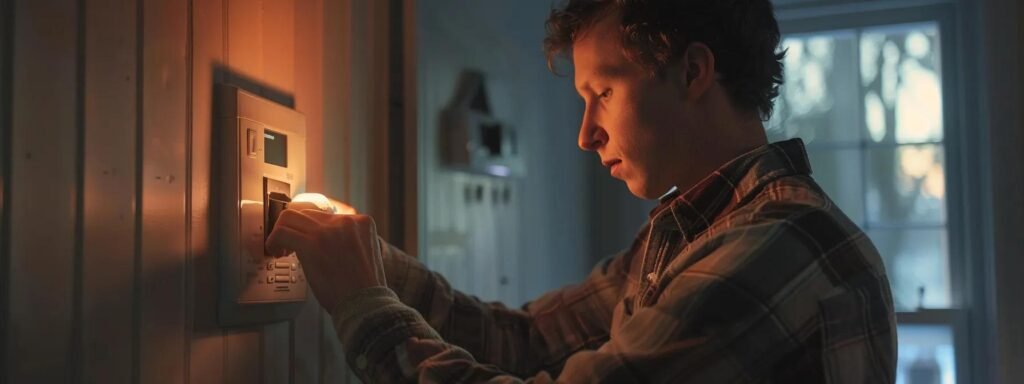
(691, 340)
(538, 336)
(711, 324)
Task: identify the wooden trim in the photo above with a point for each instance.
(309, 91)
(108, 190)
(162, 356)
(43, 189)
(207, 341)
(410, 151)
(393, 165)
(6, 59)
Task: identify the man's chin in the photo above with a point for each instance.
(642, 190)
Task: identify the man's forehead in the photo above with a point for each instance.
(598, 53)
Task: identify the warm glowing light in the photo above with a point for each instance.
(916, 162)
(324, 203)
(242, 203)
(935, 182)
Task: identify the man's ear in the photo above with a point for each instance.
(698, 65)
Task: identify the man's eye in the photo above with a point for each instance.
(605, 94)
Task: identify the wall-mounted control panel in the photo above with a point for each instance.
(259, 164)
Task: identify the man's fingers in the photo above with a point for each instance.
(301, 205)
(317, 214)
(284, 238)
(297, 220)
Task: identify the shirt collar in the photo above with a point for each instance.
(728, 187)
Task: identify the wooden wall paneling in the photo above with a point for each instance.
(378, 92)
(337, 77)
(108, 253)
(245, 41)
(409, 146)
(162, 303)
(278, 48)
(207, 348)
(309, 93)
(314, 325)
(244, 65)
(242, 355)
(357, 46)
(43, 192)
(307, 329)
(6, 21)
(278, 73)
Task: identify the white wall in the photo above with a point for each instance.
(551, 247)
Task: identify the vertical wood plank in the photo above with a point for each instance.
(380, 163)
(243, 360)
(245, 40)
(43, 192)
(307, 329)
(163, 346)
(207, 349)
(336, 83)
(6, 21)
(309, 99)
(358, 46)
(309, 93)
(278, 73)
(305, 339)
(242, 356)
(277, 52)
(410, 149)
(109, 190)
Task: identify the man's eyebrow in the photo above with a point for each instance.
(607, 71)
(603, 71)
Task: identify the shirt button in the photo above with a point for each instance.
(652, 277)
(361, 362)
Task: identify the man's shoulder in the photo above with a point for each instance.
(787, 229)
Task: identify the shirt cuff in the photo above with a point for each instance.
(372, 322)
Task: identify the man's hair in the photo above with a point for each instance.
(742, 34)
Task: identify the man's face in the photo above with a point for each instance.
(636, 123)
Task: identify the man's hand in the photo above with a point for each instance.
(339, 253)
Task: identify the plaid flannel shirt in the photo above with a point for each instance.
(751, 276)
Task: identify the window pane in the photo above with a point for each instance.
(917, 263)
(925, 354)
(840, 174)
(902, 83)
(816, 102)
(906, 184)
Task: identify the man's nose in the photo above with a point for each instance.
(592, 136)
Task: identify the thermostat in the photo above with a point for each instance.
(259, 164)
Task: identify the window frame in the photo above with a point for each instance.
(963, 165)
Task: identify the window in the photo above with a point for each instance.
(867, 99)
(868, 104)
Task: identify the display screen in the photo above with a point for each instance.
(276, 148)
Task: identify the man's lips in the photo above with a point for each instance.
(612, 165)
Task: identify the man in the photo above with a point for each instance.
(747, 272)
